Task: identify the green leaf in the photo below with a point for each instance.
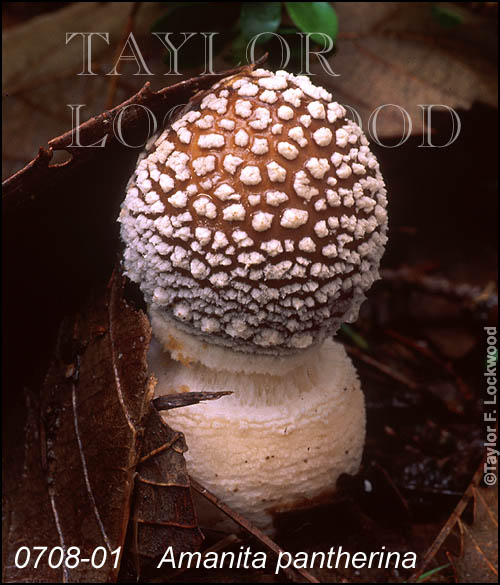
(358, 339)
(423, 578)
(314, 17)
(260, 17)
(447, 15)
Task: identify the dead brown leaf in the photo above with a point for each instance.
(60, 239)
(476, 560)
(162, 512)
(479, 560)
(396, 53)
(387, 53)
(82, 444)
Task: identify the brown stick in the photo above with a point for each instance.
(292, 574)
(395, 375)
(475, 295)
(170, 401)
(449, 525)
(223, 543)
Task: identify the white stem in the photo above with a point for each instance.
(281, 439)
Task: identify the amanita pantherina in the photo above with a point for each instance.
(254, 225)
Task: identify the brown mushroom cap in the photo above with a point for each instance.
(258, 218)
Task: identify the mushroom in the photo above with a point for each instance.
(254, 225)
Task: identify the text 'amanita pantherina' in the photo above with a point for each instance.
(254, 225)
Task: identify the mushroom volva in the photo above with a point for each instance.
(254, 225)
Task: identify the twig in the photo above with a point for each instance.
(256, 532)
(395, 375)
(476, 295)
(428, 353)
(162, 448)
(415, 345)
(487, 508)
(170, 401)
(223, 543)
(448, 527)
(479, 550)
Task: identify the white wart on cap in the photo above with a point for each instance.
(257, 220)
